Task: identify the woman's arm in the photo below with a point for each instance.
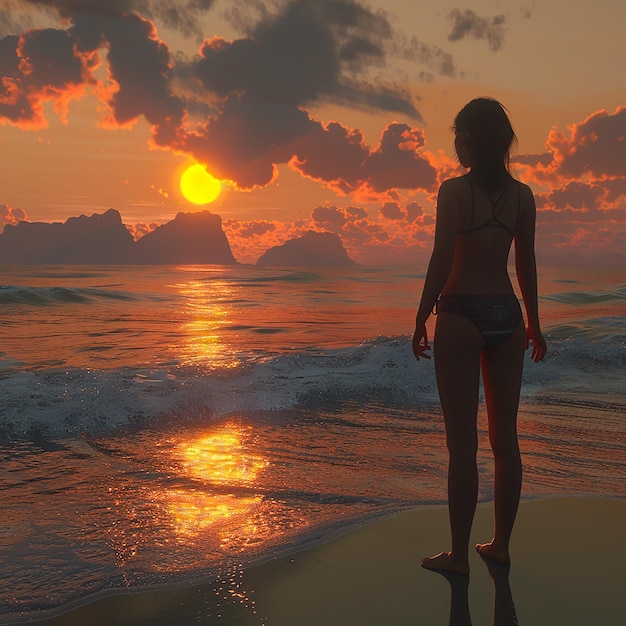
(526, 269)
(439, 265)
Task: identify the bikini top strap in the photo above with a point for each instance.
(494, 204)
(469, 182)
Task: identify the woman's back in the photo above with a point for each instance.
(486, 225)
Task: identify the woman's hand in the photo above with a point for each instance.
(420, 343)
(539, 344)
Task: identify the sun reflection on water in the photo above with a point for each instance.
(226, 472)
(207, 306)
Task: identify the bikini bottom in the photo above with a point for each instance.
(496, 317)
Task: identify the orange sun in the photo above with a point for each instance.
(198, 186)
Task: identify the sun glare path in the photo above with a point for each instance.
(219, 459)
(198, 186)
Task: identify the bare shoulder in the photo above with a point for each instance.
(455, 183)
(527, 200)
(453, 188)
(526, 193)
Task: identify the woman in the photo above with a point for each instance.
(479, 321)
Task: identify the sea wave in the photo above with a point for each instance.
(73, 401)
(44, 296)
(603, 330)
(613, 294)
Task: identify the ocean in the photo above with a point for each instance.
(165, 424)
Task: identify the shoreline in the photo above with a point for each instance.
(566, 551)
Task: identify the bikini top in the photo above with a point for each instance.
(494, 220)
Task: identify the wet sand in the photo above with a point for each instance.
(567, 568)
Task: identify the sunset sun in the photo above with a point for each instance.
(198, 186)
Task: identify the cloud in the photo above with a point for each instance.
(262, 120)
(139, 65)
(248, 139)
(58, 65)
(338, 157)
(140, 229)
(180, 15)
(249, 239)
(366, 240)
(405, 236)
(9, 215)
(307, 52)
(38, 66)
(254, 90)
(409, 213)
(595, 148)
(582, 174)
(467, 23)
(331, 216)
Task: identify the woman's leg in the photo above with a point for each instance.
(457, 364)
(502, 377)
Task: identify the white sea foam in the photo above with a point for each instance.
(70, 401)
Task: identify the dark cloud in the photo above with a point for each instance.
(419, 53)
(254, 91)
(414, 211)
(291, 58)
(587, 201)
(180, 15)
(467, 23)
(49, 59)
(56, 64)
(247, 230)
(595, 147)
(533, 159)
(309, 51)
(40, 65)
(250, 136)
(331, 215)
(393, 211)
(335, 154)
(590, 151)
(397, 161)
(338, 157)
(140, 65)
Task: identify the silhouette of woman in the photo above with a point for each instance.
(479, 321)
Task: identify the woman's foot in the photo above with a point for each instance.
(491, 550)
(446, 561)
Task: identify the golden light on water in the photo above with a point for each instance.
(219, 458)
(206, 305)
(226, 472)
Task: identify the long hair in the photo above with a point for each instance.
(490, 139)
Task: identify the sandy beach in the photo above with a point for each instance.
(567, 569)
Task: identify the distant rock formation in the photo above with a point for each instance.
(191, 238)
(313, 248)
(95, 239)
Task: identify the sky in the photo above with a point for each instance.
(331, 115)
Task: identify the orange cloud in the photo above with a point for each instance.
(140, 229)
(41, 65)
(592, 150)
(582, 207)
(369, 241)
(9, 215)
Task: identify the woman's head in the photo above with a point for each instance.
(484, 137)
